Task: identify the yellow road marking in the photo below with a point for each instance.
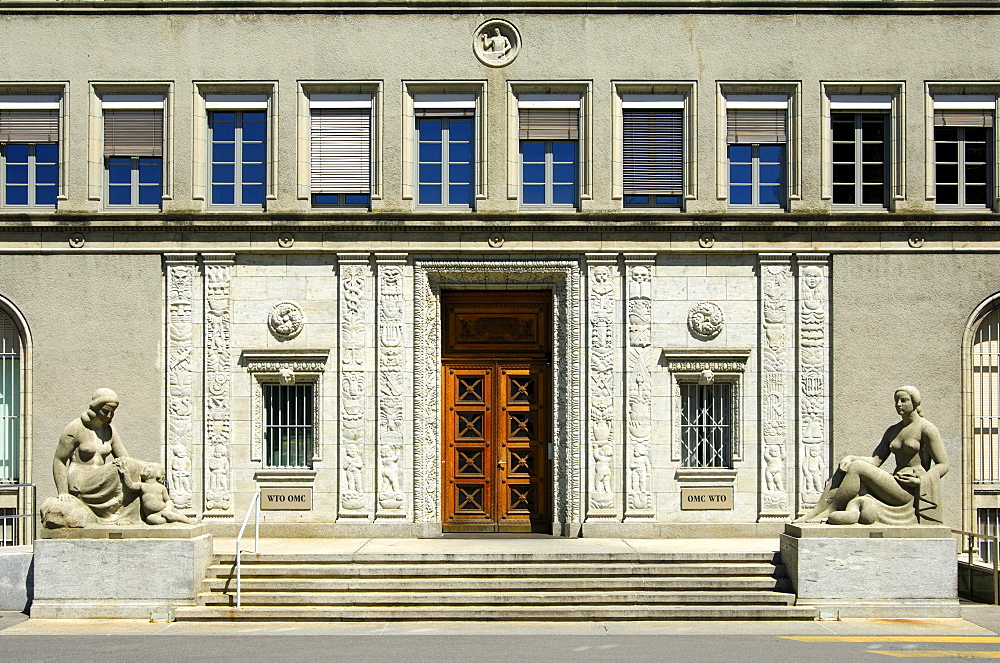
(961, 639)
(937, 654)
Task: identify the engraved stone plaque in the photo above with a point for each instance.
(286, 499)
(707, 499)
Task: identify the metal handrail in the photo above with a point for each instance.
(255, 509)
(996, 553)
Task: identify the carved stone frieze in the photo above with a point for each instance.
(639, 390)
(218, 383)
(355, 329)
(705, 320)
(602, 319)
(181, 273)
(391, 347)
(813, 383)
(775, 367)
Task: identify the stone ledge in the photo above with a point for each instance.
(819, 531)
(168, 531)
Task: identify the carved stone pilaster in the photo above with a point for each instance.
(218, 383)
(776, 377)
(813, 377)
(392, 345)
(182, 369)
(638, 385)
(356, 440)
(603, 323)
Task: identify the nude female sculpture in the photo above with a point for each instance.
(861, 492)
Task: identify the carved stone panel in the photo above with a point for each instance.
(813, 377)
(603, 325)
(356, 335)
(639, 390)
(218, 384)
(776, 376)
(392, 375)
(183, 369)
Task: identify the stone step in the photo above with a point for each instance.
(477, 613)
(531, 569)
(479, 599)
(498, 557)
(498, 584)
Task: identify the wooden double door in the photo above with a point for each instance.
(496, 411)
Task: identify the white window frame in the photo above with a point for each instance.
(47, 93)
(951, 96)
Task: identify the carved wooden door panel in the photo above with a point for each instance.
(469, 455)
(523, 453)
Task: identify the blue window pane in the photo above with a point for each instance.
(564, 150)
(149, 195)
(429, 152)
(740, 195)
(254, 153)
(460, 152)
(533, 151)
(770, 195)
(564, 194)
(224, 152)
(430, 194)
(46, 195)
(460, 194)
(223, 173)
(119, 170)
(47, 153)
(534, 194)
(326, 199)
(253, 194)
(223, 194)
(740, 153)
(636, 200)
(150, 171)
(770, 174)
(430, 129)
(16, 195)
(254, 125)
(430, 173)
(772, 153)
(460, 173)
(668, 200)
(253, 173)
(460, 129)
(533, 173)
(356, 199)
(17, 174)
(17, 153)
(564, 173)
(739, 174)
(119, 195)
(46, 174)
(223, 126)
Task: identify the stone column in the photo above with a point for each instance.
(357, 399)
(813, 377)
(393, 346)
(604, 450)
(218, 384)
(183, 451)
(638, 386)
(777, 373)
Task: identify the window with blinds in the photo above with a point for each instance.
(549, 123)
(750, 126)
(33, 125)
(340, 158)
(29, 150)
(652, 152)
(133, 132)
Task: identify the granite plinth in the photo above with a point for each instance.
(15, 577)
(873, 570)
(172, 531)
(128, 577)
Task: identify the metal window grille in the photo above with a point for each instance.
(706, 425)
(10, 400)
(986, 400)
(288, 425)
(988, 525)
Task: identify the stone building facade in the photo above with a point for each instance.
(677, 256)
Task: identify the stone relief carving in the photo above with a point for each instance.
(286, 320)
(813, 353)
(496, 43)
(218, 377)
(601, 358)
(639, 389)
(391, 337)
(861, 492)
(354, 327)
(563, 277)
(775, 330)
(180, 379)
(705, 320)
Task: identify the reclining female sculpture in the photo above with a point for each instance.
(861, 492)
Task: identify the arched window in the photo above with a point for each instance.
(11, 353)
(986, 400)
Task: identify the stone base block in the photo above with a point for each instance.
(15, 577)
(873, 571)
(118, 578)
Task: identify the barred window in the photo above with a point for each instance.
(289, 431)
(706, 425)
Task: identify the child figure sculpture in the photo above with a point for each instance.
(157, 507)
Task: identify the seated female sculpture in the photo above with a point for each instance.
(860, 491)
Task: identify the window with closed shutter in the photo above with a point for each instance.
(35, 125)
(749, 126)
(340, 150)
(652, 158)
(549, 123)
(133, 133)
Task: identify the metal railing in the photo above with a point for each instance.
(975, 562)
(17, 514)
(254, 508)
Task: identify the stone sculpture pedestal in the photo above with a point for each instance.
(107, 572)
(873, 570)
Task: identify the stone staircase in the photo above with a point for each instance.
(499, 586)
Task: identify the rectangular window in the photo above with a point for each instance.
(963, 154)
(860, 158)
(237, 149)
(549, 132)
(445, 136)
(133, 151)
(340, 159)
(652, 150)
(756, 149)
(706, 425)
(289, 431)
(29, 151)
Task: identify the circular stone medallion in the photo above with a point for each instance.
(286, 320)
(496, 43)
(705, 320)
